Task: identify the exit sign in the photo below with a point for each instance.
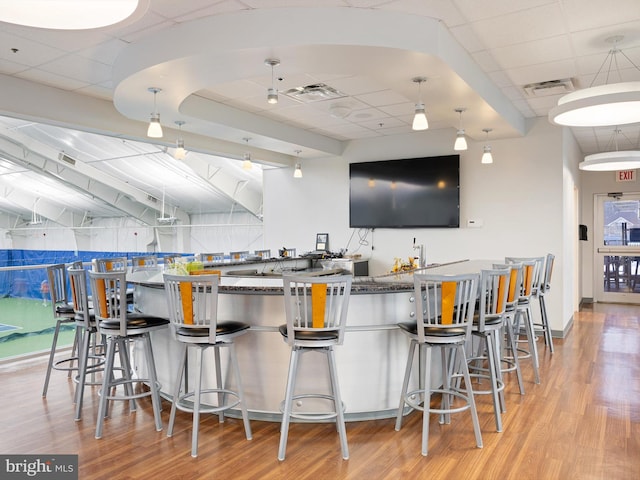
(626, 176)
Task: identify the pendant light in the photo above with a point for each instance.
(180, 152)
(612, 160)
(461, 141)
(486, 155)
(297, 172)
(246, 158)
(69, 15)
(155, 129)
(272, 93)
(420, 116)
(604, 105)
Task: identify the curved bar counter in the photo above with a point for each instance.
(371, 361)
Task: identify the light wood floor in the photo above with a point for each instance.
(582, 422)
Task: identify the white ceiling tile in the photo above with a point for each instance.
(105, 52)
(51, 79)
(182, 11)
(9, 68)
(524, 26)
(29, 52)
(466, 36)
(592, 64)
(542, 72)
(500, 78)
(474, 10)
(399, 109)
(446, 10)
(98, 91)
(586, 14)
(531, 53)
(150, 23)
(87, 71)
(387, 123)
(486, 60)
(357, 85)
(383, 98)
(597, 41)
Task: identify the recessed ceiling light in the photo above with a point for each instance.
(68, 14)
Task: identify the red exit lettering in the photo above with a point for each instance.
(626, 176)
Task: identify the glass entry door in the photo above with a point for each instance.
(617, 248)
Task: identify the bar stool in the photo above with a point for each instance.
(523, 314)
(539, 294)
(91, 352)
(211, 257)
(239, 255)
(316, 312)
(487, 325)
(444, 307)
(120, 328)
(110, 264)
(169, 259)
(63, 314)
(144, 262)
(193, 308)
(509, 361)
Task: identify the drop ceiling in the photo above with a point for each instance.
(86, 92)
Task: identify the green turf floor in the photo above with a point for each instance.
(35, 326)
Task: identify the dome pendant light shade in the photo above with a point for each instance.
(272, 96)
(604, 105)
(246, 158)
(180, 152)
(246, 162)
(461, 141)
(420, 121)
(297, 172)
(272, 93)
(155, 129)
(487, 158)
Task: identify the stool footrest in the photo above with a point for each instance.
(124, 381)
(313, 416)
(183, 405)
(454, 393)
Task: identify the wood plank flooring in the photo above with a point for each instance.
(582, 422)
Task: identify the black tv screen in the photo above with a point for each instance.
(408, 193)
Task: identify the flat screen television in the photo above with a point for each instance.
(408, 193)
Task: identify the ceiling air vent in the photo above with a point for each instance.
(314, 93)
(550, 87)
(63, 157)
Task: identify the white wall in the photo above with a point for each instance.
(571, 219)
(519, 198)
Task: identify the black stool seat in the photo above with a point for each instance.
(64, 309)
(310, 335)
(222, 328)
(412, 328)
(135, 321)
